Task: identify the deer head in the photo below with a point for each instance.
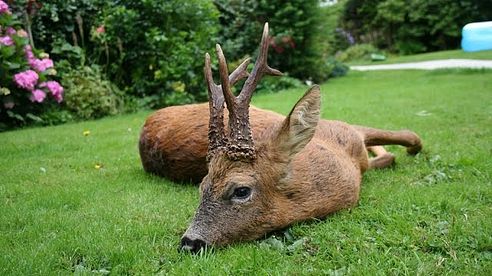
(248, 189)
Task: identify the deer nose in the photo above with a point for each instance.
(192, 245)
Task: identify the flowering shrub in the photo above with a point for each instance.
(25, 74)
(4, 8)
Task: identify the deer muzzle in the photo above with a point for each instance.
(192, 243)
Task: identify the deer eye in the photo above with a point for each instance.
(241, 193)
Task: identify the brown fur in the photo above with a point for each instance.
(304, 167)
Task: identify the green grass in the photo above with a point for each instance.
(451, 54)
(429, 215)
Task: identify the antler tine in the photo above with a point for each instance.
(230, 99)
(260, 69)
(241, 72)
(216, 136)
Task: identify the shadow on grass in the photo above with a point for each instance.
(155, 179)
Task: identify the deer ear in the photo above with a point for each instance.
(299, 127)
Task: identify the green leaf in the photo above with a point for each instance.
(7, 52)
(34, 117)
(12, 65)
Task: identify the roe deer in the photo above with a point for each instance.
(265, 172)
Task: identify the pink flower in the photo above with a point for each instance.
(41, 65)
(38, 96)
(55, 88)
(100, 29)
(29, 54)
(6, 40)
(4, 8)
(10, 31)
(26, 79)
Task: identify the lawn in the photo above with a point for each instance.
(451, 54)
(81, 203)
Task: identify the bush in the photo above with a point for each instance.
(26, 85)
(89, 96)
(358, 52)
(336, 68)
(148, 48)
(294, 30)
(412, 26)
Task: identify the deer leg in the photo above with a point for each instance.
(379, 137)
(382, 159)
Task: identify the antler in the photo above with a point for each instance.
(240, 144)
(216, 134)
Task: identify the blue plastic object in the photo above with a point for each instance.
(477, 36)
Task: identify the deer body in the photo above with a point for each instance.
(174, 140)
(263, 171)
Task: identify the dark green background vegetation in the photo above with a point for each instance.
(412, 26)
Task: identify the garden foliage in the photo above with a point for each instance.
(411, 26)
(294, 29)
(139, 45)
